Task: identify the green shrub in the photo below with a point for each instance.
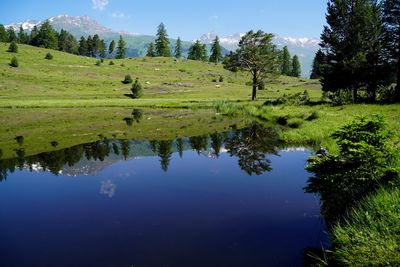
(301, 98)
(261, 85)
(48, 56)
(98, 63)
(221, 79)
(227, 108)
(111, 63)
(281, 120)
(295, 123)
(14, 62)
(312, 117)
(137, 90)
(371, 234)
(13, 48)
(127, 79)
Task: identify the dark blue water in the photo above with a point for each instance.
(198, 210)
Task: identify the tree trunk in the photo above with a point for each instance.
(255, 84)
(355, 98)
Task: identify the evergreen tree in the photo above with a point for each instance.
(96, 44)
(33, 36)
(391, 39)
(162, 42)
(150, 50)
(111, 47)
(67, 42)
(22, 36)
(102, 49)
(3, 34)
(13, 48)
(82, 49)
(349, 41)
(137, 90)
(296, 68)
(318, 66)
(14, 62)
(216, 54)
(121, 50)
(47, 36)
(89, 45)
(286, 68)
(256, 54)
(11, 36)
(178, 48)
(198, 51)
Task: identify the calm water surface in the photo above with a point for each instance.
(228, 199)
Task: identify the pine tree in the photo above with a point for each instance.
(348, 44)
(102, 49)
(13, 48)
(286, 68)
(111, 47)
(319, 63)
(296, 68)
(198, 51)
(47, 36)
(137, 90)
(3, 34)
(121, 50)
(89, 45)
(22, 36)
(82, 49)
(150, 50)
(67, 42)
(33, 36)
(216, 54)
(11, 36)
(178, 48)
(96, 43)
(162, 42)
(14, 62)
(391, 40)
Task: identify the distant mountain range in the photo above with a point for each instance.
(137, 44)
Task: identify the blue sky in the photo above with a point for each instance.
(188, 19)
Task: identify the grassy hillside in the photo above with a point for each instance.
(74, 81)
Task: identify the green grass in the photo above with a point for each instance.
(73, 81)
(371, 236)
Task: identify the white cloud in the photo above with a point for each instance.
(99, 4)
(120, 15)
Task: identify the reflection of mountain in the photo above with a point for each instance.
(250, 145)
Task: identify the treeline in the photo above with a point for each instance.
(359, 57)
(47, 37)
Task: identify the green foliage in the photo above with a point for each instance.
(98, 63)
(48, 56)
(371, 234)
(363, 165)
(301, 98)
(111, 47)
(296, 68)
(67, 42)
(127, 79)
(162, 42)
(111, 63)
(14, 62)
(256, 54)
(121, 49)
(286, 68)
(319, 63)
(178, 48)
(227, 108)
(216, 54)
(150, 50)
(3, 34)
(23, 37)
(47, 36)
(83, 47)
(198, 51)
(11, 36)
(13, 48)
(137, 90)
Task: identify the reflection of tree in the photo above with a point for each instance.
(125, 148)
(165, 152)
(115, 149)
(179, 146)
(217, 141)
(137, 115)
(251, 145)
(199, 143)
(128, 121)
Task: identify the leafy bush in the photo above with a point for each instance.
(137, 90)
(111, 63)
(371, 234)
(312, 117)
(127, 79)
(14, 62)
(13, 48)
(261, 85)
(302, 98)
(48, 56)
(281, 121)
(221, 79)
(214, 80)
(98, 63)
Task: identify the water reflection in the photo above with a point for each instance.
(108, 188)
(250, 145)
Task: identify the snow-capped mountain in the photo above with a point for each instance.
(304, 47)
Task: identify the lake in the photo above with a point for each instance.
(232, 198)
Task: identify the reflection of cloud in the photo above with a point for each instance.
(99, 4)
(107, 188)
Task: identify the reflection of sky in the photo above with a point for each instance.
(108, 188)
(204, 210)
